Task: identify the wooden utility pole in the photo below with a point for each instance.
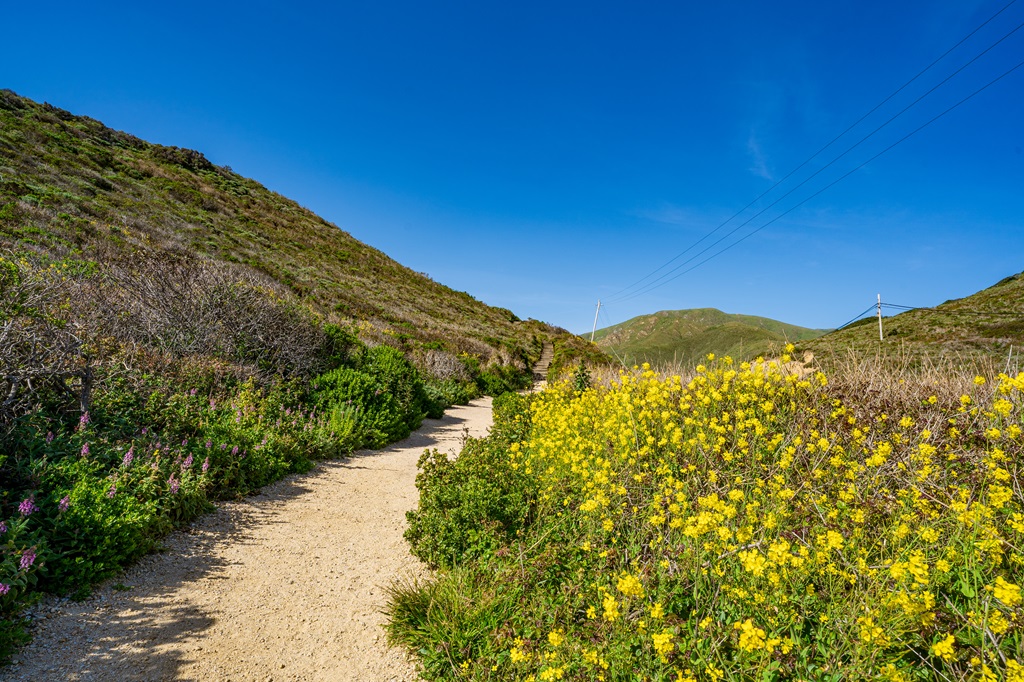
(594, 330)
(879, 317)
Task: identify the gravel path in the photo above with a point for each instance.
(285, 585)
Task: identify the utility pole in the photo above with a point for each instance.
(594, 331)
(879, 317)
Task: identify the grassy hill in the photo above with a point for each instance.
(978, 328)
(686, 336)
(73, 189)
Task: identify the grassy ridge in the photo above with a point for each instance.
(745, 523)
(72, 188)
(683, 337)
(980, 327)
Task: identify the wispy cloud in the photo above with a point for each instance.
(759, 164)
(679, 216)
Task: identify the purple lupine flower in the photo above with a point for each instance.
(4, 589)
(64, 504)
(209, 444)
(3, 527)
(288, 412)
(174, 483)
(187, 464)
(112, 491)
(28, 557)
(128, 457)
(223, 446)
(27, 506)
(49, 436)
(192, 392)
(85, 450)
(184, 442)
(206, 465)
(145, 431)
(234, 451)
(83, 421)
(213, 404)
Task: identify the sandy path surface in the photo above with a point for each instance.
(285, 585)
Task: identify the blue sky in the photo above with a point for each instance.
(543, 155)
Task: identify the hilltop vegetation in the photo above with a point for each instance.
(684, 337)
(72, 188)
(980, 328)
(172, 333)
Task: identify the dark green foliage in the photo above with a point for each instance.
(397, 377)
(472, 505)
(377, 413)
(499, 379)
(581, 378)
(342, 347)
(448, 392)
(383, 395)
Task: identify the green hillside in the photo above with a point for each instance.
(981, 327)
(71, 188)
(686, 336)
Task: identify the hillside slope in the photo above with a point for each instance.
(686, 336)
(71, 188)
(979, 327)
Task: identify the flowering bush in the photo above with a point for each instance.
(749, 523)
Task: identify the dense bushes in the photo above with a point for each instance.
(472, 505)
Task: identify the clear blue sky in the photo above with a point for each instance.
(542, 155)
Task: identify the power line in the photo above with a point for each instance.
(614, 296)
(847, 324)
(954, 311)
(655, 285)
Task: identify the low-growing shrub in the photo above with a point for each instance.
(499, 379)
(472, 505)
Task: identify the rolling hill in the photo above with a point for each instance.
(686, 336)
(981, 327)
(76, 192)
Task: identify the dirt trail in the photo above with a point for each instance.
(284, 585)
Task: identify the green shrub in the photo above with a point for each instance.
(498, 379)
(443, 394)
(472, 505)
(397, 377)
(379, 416)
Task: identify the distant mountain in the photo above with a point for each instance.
(687, 336)
(981, 326)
